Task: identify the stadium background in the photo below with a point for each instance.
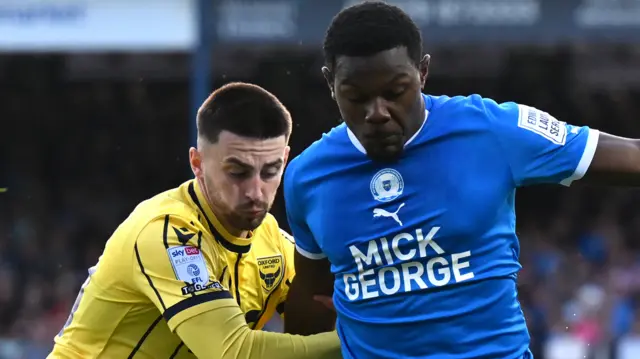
(97, 101)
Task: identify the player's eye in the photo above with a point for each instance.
(270, 172)
(354, 97)
(357, 100)
(395, 93)
(238, 173)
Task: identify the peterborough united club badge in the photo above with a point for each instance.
(387, 185)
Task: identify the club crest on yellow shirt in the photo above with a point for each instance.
(271, 271)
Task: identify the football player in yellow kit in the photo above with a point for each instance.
(192, 270)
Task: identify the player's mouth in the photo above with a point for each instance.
(255, 212)
(384, 139)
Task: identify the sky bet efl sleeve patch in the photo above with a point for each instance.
(189, 264)
(542, 124)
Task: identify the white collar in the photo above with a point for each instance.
(356, 143)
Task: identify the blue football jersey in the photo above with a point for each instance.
(424, 250)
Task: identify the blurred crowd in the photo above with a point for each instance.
(79, 155)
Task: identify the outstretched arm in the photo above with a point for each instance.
(201, 310)
(541, 149)
(222, 333)
(305, 315)
(616, 162)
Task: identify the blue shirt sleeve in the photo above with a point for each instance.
(296, 214)
(539, 148)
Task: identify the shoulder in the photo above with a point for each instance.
(169, 243)
(336, 140)
(472, 105)
(167, 217)
(174, 201)
(469, 114)
(323, 157)
(153, 230)
(503, 118)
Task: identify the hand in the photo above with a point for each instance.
(327, 301)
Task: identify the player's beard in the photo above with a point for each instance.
(236, 218)
(243, 221)
(384, 146)
(240, 218)
(385, 153)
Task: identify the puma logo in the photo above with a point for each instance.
(379, 212)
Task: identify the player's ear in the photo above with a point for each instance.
(195, 160)
(287, 150)
(424, 69)
(328, 76)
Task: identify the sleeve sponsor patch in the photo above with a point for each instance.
(188, 264)
(194, 288)
(542, 124)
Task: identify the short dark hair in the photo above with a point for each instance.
(370, 27)
(243, 109)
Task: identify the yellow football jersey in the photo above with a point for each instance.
(167, 262)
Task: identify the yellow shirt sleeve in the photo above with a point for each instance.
(288, 249)
(222, 333)
(171, 269)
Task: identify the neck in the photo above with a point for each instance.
(232, 230)
(418, 118)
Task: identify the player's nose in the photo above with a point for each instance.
(377, 111)
(253, 188)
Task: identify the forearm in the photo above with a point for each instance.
(258, 344)
(224, 334)
(304, 315)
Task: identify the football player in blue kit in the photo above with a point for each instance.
(405, 215)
